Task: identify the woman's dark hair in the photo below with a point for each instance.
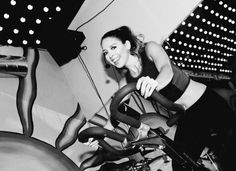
(124, 33)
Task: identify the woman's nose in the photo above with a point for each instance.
(110, 55)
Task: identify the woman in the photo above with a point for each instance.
(148, 64)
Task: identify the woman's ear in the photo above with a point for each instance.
(128, 44)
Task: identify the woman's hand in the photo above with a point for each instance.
(92, 143)
(146, 85)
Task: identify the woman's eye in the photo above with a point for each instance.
(113, 47)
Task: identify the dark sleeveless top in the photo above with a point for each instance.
(174, 89)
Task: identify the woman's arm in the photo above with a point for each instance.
(162, 62)
(157, 54)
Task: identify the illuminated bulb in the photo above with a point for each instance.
(22, 19)
(9, 41)
(1, 28)
(45, 9)
(16, 31)
(58, 9)
(206, 7)
(24, 42)
(30, 7)
(13, 2)
(31, 32)
(38, 21)
(6, 16)
(38, 41)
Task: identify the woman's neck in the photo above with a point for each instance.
(134, 65)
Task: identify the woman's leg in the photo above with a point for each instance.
(211, 112)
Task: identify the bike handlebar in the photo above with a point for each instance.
(169, 105)
(100, 133)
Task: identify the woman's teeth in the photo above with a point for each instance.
(115, 60)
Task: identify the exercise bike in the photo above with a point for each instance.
(157, 140)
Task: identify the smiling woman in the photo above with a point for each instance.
(148, 66)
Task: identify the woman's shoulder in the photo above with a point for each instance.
(153, 47)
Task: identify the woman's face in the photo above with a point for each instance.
(115, 52)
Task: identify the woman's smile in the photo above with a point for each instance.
(115, 59)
